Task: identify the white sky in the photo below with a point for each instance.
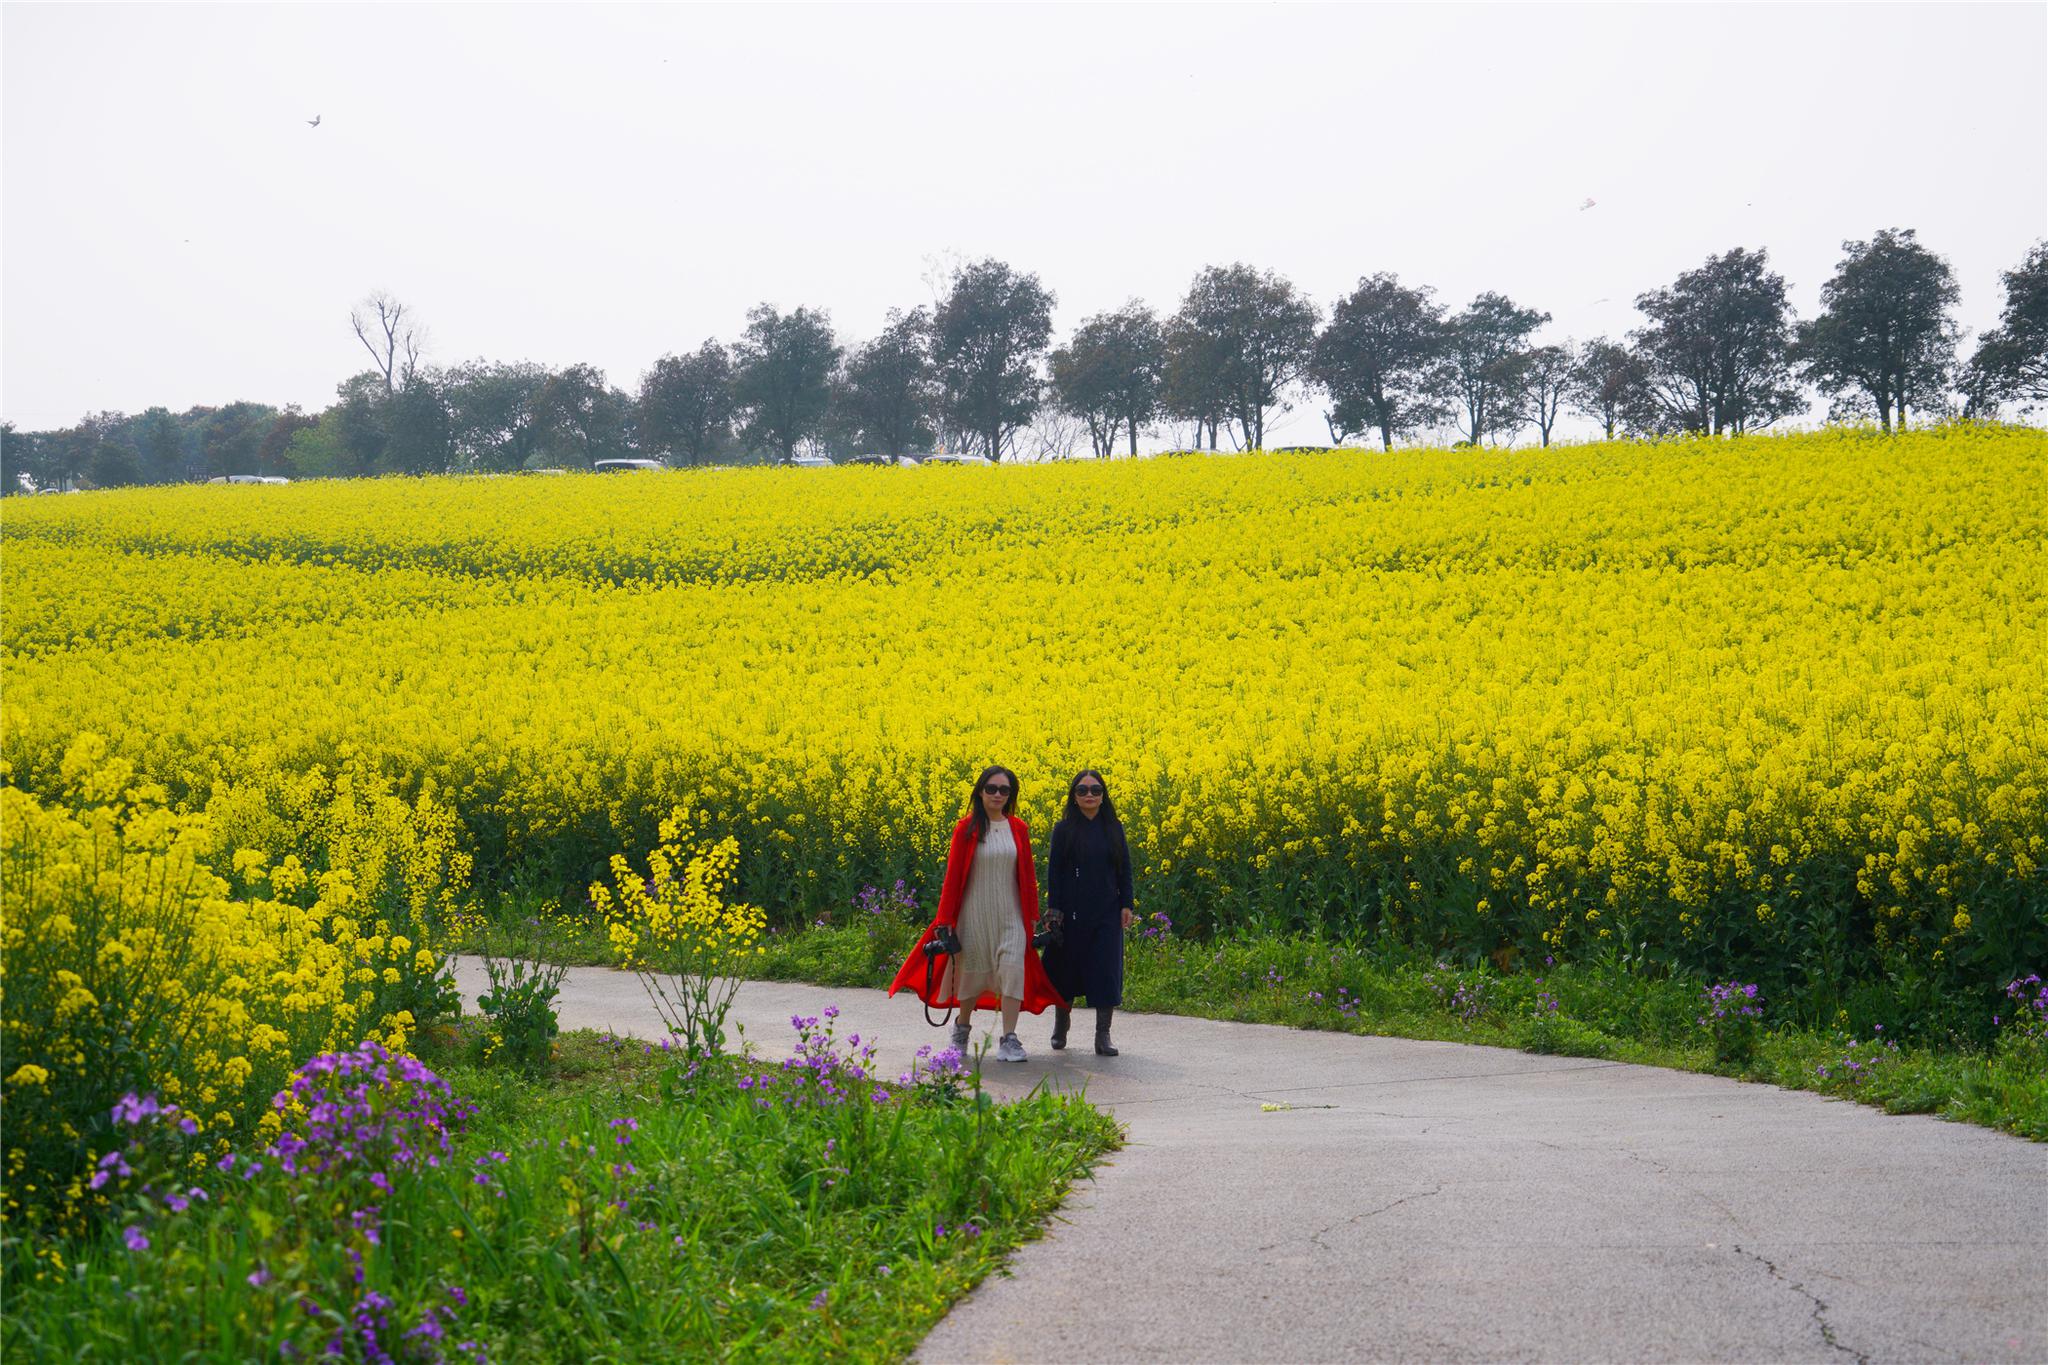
(606, 184)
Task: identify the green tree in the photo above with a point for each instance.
(161, 442)
(1197, 383)
(782, 376)
(494, 414)
(887, 391)
(1484, 363)
(1111, 373)
(1718, 346)
(581, 420)
(1609, 384)
(2011, 363)
(270, 455)
(686, 403)
(1377, 360)
(988, 337)
(320, 451)
(20, 453)
(1265, 332)
(115, 463)
(416, 429)
(233, 435)
(1886, 336)
(359, 424)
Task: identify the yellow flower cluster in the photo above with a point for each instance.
(1772, 700)
(677, 916)
(127, 963)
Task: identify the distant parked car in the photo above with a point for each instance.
(958, 459)
(1302, 450)
(628, 466)
(249, 478)
(810, 462)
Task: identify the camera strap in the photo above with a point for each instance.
(931, 987)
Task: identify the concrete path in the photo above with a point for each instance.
(1435, 1201)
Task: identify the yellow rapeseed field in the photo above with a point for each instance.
(1776, 704)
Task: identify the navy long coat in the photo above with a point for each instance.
(1088, 882)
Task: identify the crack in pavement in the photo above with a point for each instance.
(1663, 1170)
(1820, 1308)
(1317, 1236)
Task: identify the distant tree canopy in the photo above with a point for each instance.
(1483, 363)
(988, 338)
(1111, 373)
(686, 404)
(1610, 384)
(1718, 347)
(782, 376)
(1376, 359)
(1260, 334)
(1886, 335)
(2011, 363)
(887, 388)
(1719, 352)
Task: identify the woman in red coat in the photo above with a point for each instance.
(990, 900)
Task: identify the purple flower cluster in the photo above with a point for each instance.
(153, 1145)
(368, 1110)
(2029, 1009)
(817, 1074)
(935, 1072)
(1731, 1000)
(898, 902)
(1862, 1059)
(1467, 997)
(370, 1327)
(1156, 926)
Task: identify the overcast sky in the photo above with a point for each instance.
(607, 184)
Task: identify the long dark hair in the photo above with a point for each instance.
(1073, 817)
(977, 811)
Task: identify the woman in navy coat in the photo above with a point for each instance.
(1088, 890)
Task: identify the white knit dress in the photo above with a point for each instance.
(991, 925)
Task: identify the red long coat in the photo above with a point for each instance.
(1038, 991)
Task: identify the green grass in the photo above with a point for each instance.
(746, 1229)
(1605, 1010)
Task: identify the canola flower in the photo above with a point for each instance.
(1769, 707)
(679, 934)
(128, 962)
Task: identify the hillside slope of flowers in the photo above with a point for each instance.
(1771, 707)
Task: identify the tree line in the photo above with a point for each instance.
(1719, 351)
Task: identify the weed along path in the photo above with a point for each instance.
(1294, 1196)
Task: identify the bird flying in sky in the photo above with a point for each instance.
(1588, 204)
(314, 122)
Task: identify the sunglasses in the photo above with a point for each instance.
(1091, 789)
(996, 789)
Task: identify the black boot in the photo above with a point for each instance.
(1103, 1047)
(1060, 1019)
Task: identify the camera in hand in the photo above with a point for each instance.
(1050, 932)
(943, 942)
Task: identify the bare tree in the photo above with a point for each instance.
(391, 335)
(1053, 433)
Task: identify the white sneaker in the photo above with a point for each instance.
(1010, 1049)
